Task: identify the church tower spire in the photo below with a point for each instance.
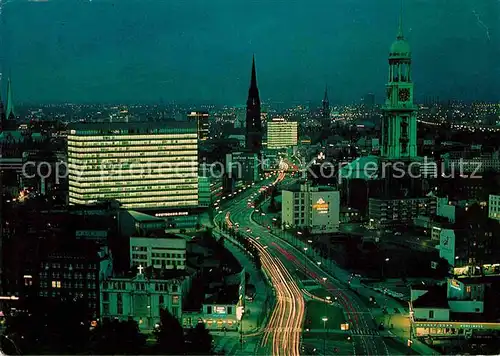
(10, 113)
(399, 124)
(326, 105)
(253, 120)
(3, 124)
(400, 25)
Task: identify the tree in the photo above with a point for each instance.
(117, 337)
(199, 340)
(170, 335)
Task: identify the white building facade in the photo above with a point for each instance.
(142, 298)
(142, 165)
(158, 252)
(281, 134)
(312, 208)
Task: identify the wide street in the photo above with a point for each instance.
(280, 260)
(281, 336)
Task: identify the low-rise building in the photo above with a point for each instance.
(454, 310)
(243, 166)
(141, 296)
(167, 252)
(223, 305)
(385, 212)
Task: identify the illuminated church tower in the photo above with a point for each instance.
(399, 123)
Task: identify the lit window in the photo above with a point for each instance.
(56, 284)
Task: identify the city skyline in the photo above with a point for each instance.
(200, 60)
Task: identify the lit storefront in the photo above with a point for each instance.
(451, 329)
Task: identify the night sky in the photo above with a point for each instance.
(200, 51)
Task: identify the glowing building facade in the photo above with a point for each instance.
(142, 165)
(281, 134)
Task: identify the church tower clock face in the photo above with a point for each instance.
(404, 94)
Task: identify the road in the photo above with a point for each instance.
(282, 334)
(279, 257)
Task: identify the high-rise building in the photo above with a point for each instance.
(201, 119)
(399, 124)
(281, 134)
(253, 119)
(141, 165)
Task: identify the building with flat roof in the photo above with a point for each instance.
(314, 208)
(384, 212)
(494, 207)
(202, 124)
(243, 166)
(141, 165)
(167, 252)
(281, 133)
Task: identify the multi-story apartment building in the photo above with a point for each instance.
(494, 207)
(142, 165)
(399, 211)
(314, 208)
(167, 252)
(74, 271)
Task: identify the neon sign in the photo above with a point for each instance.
(321, 206)
(220, 310)
(455, 284)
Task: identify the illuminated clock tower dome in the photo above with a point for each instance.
(399, 124)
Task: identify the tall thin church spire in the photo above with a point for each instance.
(253, 120)
(11, 114)
(400, 25)
(253, 81)
(326, 104)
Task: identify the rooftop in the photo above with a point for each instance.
(141, 217)
(225, 295)
(436, 297)
(132, 127)
(152, 273)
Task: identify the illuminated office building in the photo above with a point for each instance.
(141, 165)
(281, 134)
(201, 119)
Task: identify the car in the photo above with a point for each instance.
(397, 233)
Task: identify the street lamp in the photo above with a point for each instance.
(325, 319)
(383, 266)
(305, 261)
(328, 301)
